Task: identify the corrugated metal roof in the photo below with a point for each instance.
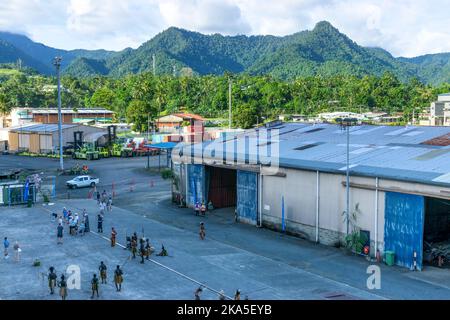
(71, 111)
(380, 151)
(41, 127)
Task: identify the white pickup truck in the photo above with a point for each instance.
(82, 181)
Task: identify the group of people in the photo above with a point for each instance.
(237, 295)
(76, 226)
(104, 201)
(201, 208)
(62, 283)
(16, 248)
(145, 248)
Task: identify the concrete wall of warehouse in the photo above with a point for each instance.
(299, 189)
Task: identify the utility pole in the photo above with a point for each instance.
(347, 185)
(148, 127)
(230, 87)
(57, 64)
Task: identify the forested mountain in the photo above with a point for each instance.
(41, 55)
(9, 53)
(322, 51)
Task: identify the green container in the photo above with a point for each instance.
(390, 258)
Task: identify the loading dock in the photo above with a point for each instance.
(225, 188)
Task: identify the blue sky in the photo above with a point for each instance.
(404, 27)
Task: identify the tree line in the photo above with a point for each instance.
(135, 98)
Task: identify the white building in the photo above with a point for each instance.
(440, 111)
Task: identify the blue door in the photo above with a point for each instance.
(403, 228)
(196, 181)
(247, 196)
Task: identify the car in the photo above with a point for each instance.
(82, 181)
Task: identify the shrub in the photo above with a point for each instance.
(166, 174)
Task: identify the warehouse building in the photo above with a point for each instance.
(44, 138)
(22, 116)
(292, 178)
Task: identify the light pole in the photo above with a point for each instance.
(346, 123)
(230, 87)
(57, 64)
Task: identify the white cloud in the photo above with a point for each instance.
(403, 27)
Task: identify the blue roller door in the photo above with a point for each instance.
(196, 183)
(247, 196)
(403, 231)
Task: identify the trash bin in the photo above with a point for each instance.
(390, 258)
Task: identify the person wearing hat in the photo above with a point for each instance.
(86, 221)
(63, 287)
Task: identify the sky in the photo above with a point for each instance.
(403, 27)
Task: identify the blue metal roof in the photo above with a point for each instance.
(392, 152)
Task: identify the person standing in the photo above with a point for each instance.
(237, 296)
(59, 233)
(142, 249)
(148, 249)
(63, 287)
(52, 277)
(203, 208)
(86, 222)
(102, 268)
(6, 246)
(118, 278)
(99, 223)
(98, 197)
(109, 204)
(60, 220)
(113, 237)
(202, 231)
(17, 251)
(197, 208)
(133, 246)
(94, 285)
(65, 213)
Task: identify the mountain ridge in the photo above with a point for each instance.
(324, 50)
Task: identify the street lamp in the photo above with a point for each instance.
(57, 64)
(230, 87)
(346, 123)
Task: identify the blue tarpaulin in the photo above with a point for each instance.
(26, 191)
(164, 145)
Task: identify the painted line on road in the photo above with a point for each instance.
(429, 282)
(159, 264)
